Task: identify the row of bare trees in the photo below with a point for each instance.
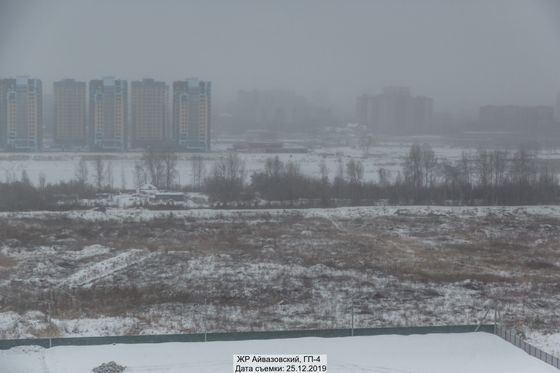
(19, 194)
(102, 176)
(483, 177)
(158, 167)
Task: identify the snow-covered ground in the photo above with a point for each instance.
(549, 342)
(132, 271)
(139, 215)
(433, 353)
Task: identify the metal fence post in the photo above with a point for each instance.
(352, 323)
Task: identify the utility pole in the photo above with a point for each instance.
(49, 319)
(205, 316)
(352, 326)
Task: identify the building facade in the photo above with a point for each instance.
(364, 110)
(108, 114)
(191, 114)
(5, 85)
(149, 112)
(395, 111)
(70, 113)
(515, 118)
(21, 114)
(277, 111)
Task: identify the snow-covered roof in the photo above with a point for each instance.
(147, 186)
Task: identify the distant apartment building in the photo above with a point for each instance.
(149, 112)
(514, 118)
(364, 110)
(108, 114)
(271, 110)
(395, 111)
(21, 114)
(191, 114)
(5, 86)
(275, 111)
(70, 112)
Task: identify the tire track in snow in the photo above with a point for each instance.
(85, 277)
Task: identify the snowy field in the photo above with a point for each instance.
(129, 272)
(61, 166)
(433, 353)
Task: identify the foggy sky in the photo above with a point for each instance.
(463, 53)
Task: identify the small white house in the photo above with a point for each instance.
(152, 193)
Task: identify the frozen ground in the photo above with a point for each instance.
(434, 353)
(61, 166)
(147, 272)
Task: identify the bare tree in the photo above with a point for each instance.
(384, 176)
(524, 168)
(340, 169)
(42, 180)
(355, 171)
(160, 166)
(198, 170)
(274, 167)
(230, 168)
(226, 182)
(81, 171)
(465, 169)
(366, 142)
(140, 177)
(99, 172)
(25, 177)
(153, 167)
(169, 159)
(498, 166)
(325, 184)
(10, 175)
(429, 165)
(109, 175)
(324, 171)
(412, 167)
(420, 166)
(339, 182)
(123, 179)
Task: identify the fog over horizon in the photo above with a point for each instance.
(463, 54)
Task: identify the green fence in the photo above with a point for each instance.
(512, 337)
(240, 336)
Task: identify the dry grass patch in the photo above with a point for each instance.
(6, 261)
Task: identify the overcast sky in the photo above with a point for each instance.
(464, 53)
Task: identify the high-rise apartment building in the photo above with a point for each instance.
(108, 114)
(191, 114)
(149, 112)
(70, 112)
(5, 85)
(21, 114)
(395, 111)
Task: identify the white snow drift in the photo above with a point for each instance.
(434, 353)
